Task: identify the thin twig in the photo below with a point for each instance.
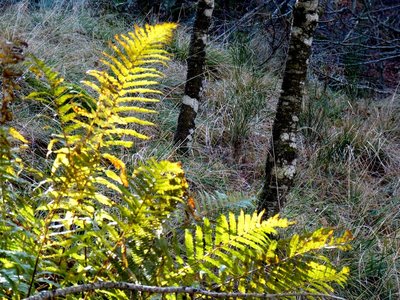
(164, 290)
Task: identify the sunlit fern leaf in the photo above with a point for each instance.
(310, 271)
(239, 255)
(129, 81)
(90, 127)
(160, 186)
(102, 122)
(231, 243)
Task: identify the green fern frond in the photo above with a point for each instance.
(229, 247)
(160, 185)
(301, 267)
(211, 205)
(239, 255)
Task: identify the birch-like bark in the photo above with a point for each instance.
(197, 55)
(281, 161)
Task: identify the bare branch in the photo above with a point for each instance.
(164, 290)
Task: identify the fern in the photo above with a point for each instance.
(125, 84)
(216, 203)
(240, 255)
(17, 245)
(82, 190)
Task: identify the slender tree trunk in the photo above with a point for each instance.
(281, 161)
(195, 75)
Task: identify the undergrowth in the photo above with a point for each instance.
(350, 178)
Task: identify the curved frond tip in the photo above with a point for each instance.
(131, 78)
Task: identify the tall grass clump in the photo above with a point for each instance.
(68, 36)
(350, 178)
(320, 108)
(247, 95)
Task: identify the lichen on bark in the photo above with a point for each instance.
(197, 55)
(280, 169)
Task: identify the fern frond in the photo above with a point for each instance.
(239, 255)
(131, 75)
(211, 205)
(101, 123)
(91, 126)
(160, 186)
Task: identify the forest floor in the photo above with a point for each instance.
(349, 176)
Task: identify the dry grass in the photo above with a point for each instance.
(352, 181)
(69, 39)
(63, 37)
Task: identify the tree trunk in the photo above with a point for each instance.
(281, 161)
(195, 74)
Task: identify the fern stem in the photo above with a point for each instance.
(47, 223)
(34, 272)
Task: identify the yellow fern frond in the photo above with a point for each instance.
(130, 79)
